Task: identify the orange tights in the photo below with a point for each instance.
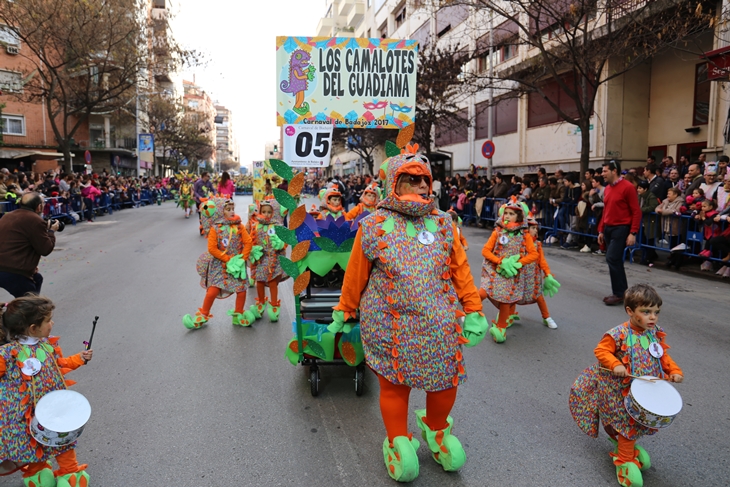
(213, 293)
(505, 311)
(66, 464)
(626, 448)
(273, 291)
(544, 311)
(394, 407)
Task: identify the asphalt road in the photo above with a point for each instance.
(222, 407)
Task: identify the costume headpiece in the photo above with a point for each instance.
(710, 168)
(516, 205)
(411, 163)
(327, 193)
(374, 189)
(275, 208)
(531, 221)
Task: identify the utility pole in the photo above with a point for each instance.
(490, 109)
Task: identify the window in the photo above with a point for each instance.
(384, 31)
(9, 36)
(701, 109)
(193, 103)
(400, 17)
(505, 118)
(539, 110)
(453, 131)
(11, 81)
(508, 51)
(13, 124)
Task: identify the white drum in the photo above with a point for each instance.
(653, 404)
(60, 417)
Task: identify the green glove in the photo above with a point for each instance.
(310, 73)
(509, 266)
(338, 323)
(550, 286)
(236, 267)
(475, 328)
(256, 253)
(276, 242)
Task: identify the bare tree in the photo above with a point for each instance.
(86, 56)
(363, 142)
(582, 44)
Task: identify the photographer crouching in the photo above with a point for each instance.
(24, 238)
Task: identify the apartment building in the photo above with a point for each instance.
(226, 143)
(666, 106)
(201, 110)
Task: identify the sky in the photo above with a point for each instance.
(238, 39)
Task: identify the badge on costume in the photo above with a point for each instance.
(504, 239)
(225, 242)
(271, 232)
(31, 366)
(426, 237)
(656, 350)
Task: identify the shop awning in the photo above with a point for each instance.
(35, 155)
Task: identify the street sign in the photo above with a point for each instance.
(488, 149)
(184, 163)
(307, 145)
(87, 157)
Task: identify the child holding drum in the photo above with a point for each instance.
(31, 366)
(604, 390)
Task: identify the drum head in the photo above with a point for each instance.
(659, 396)
(63, 411)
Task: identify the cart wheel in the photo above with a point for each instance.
(359, 379)
(314, 380)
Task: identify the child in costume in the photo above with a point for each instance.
(628, 349)
(32, 365)
(265, 266)
(368, 202)
(538, 278)
(408, 274)
(508, 249)
(223, 268)
(186, 196)
(331, 203)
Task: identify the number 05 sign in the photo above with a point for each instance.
(307, 145)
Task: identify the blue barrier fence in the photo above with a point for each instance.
(577, 223)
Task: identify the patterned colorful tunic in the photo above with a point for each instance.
(408, 309)
(267, 268)
(598, 394)
(532, 278)
(508, 289)
(19, 394)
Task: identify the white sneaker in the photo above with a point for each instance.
(663, 242)
(554, 240)
(680, 247)
(599, 252)
(586, 249)
(724, 271)
(550, 323)
(706, 266)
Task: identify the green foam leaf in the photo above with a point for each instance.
(431, 225)
(291, 269)
(388, 225)
(40, 354)
(325, 244)
(282, 169)
(346, 246)
(320, 262)
(343, 258)
(288, 236)
(644, 342)
(391, 149)
(314, 348)
(410, 229)
(285, 199)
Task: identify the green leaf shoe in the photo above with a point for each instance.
(401, 459)
(258, 309)
(641, 455)
(273, 310)
(197, 321)
(499, 335)
(44, 478)
(242, 319)
(629, 475)
(445, 448)
(78, 479)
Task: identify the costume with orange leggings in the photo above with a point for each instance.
(368, 202)
(599, 395)
(536, 273)
(509, 242)
(228, 239)
(406, 272)
(329, 209)
(20, 394)
(265, 266)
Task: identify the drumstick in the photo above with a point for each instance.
(653, 379)
(91, 338)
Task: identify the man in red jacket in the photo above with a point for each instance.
(25, 238)
(618, 227)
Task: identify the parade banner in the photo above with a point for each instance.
(146, 151)
(348, 82)
(262, 172)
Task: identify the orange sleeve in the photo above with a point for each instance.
(213, 247)
(462, 279)
(247, 241)
(73, 362)
(605, 351)
(357, 275)
(668, 365)
(354, 213)
(532, 254)
(488, 249)
(542, 263)
(3, 367)
(462, 238)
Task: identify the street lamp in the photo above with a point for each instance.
(136, 120)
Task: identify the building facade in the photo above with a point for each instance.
(226, 144)
(200, 109)
(664, 107)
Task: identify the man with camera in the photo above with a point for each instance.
(25, 238)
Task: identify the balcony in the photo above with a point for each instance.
(343, 7)
(325, 26)
(356, 14)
